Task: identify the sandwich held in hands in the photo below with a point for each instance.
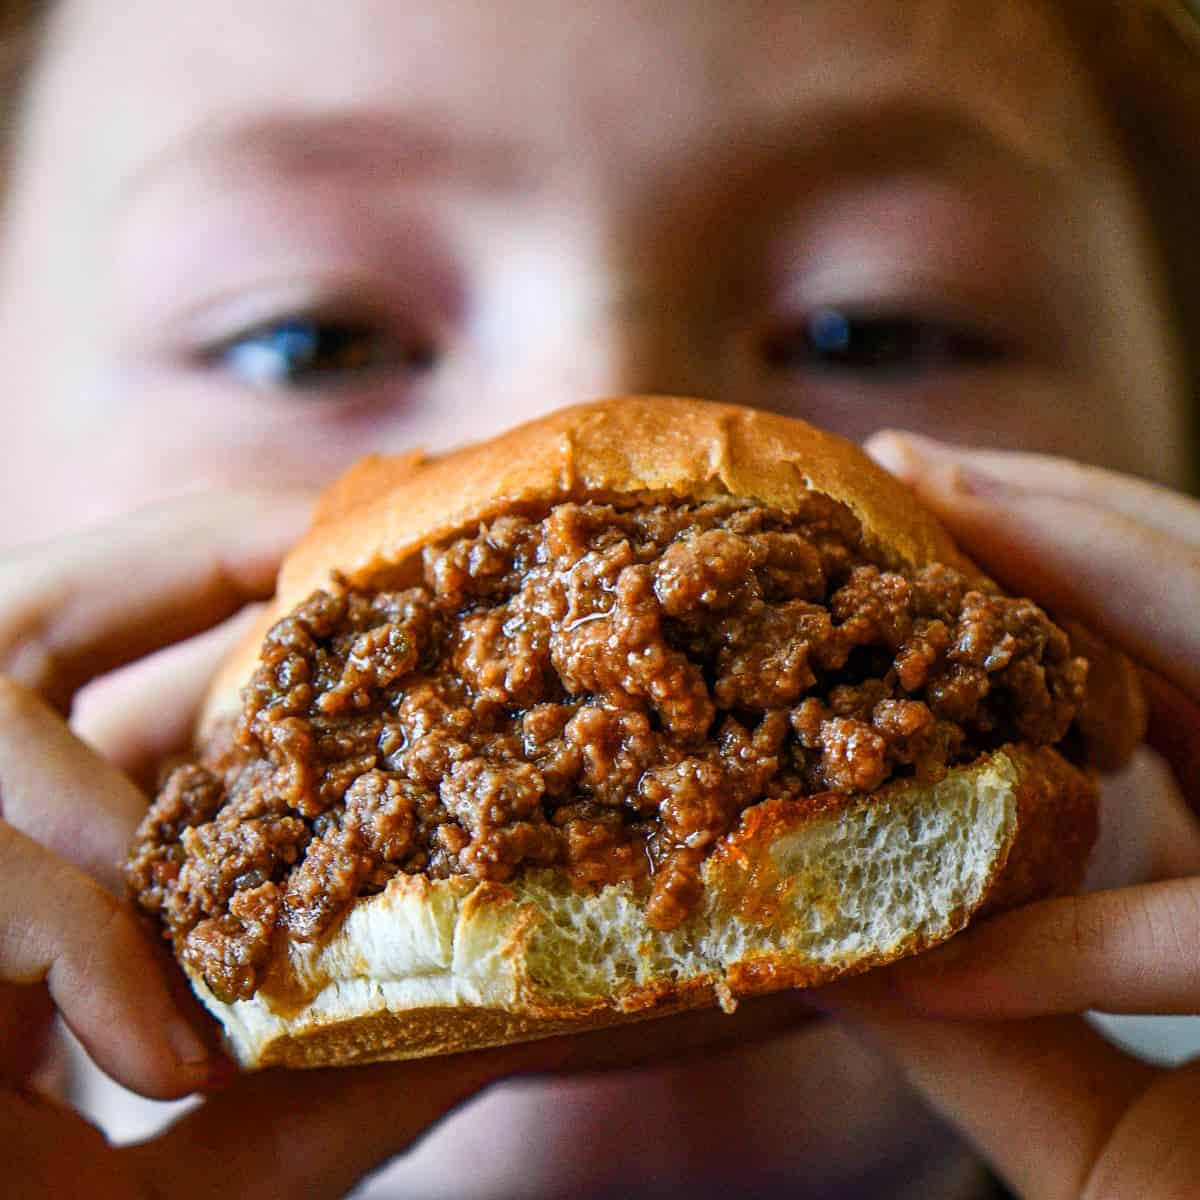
(649, 704)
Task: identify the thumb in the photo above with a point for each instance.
(288, 1133)
(1007, 1084)
(317, 1133)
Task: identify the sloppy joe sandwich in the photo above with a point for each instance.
(647, 705)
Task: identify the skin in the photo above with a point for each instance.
(1013, 985)
(522, 205)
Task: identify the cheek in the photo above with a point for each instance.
(1056, 410)
(181, 435)
(84, 455)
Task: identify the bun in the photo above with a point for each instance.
(791, 901)
(373, 522)
(798, 894)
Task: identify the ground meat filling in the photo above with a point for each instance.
(603, 690)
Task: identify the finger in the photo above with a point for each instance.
(139, 716)
(1081, 557)
(84, 606)
(1150, 504)
(57, 791)
(1153, 1150)
(313, 1133)
(53, 1072)
(345, 1122)
(52, 1153)
(1147, 832)
(1039, 1099)
(58, 927)
(1131, 950)
(81, 813)
(26, 1023)
(1174, 731)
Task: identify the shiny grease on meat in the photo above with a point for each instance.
(601, 689)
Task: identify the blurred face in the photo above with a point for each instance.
(251, 239)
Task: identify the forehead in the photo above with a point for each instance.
(601, 87)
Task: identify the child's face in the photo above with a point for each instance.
(253, 239)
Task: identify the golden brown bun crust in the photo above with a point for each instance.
(424, 1032)
(374, 521)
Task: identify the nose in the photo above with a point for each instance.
(558, 317)
(659, 340)
(562, 346)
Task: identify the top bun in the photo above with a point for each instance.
(372, 524)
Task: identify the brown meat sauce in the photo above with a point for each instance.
(601, 690)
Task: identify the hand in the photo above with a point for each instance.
(987, 1026)
(69, 941)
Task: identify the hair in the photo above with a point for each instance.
(1144, 56)
(1144, 59)
(21, 26)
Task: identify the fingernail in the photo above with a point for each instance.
(189, 1049)
(914, 458)
(910, 456)
(895, 452)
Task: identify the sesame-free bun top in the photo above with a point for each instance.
(372, 524)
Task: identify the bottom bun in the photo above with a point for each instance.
(799, 894)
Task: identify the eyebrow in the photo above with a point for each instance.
(364, 144)
(860, 138)
(898, 133)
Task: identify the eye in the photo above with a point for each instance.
(876, 344)
(318, 351)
